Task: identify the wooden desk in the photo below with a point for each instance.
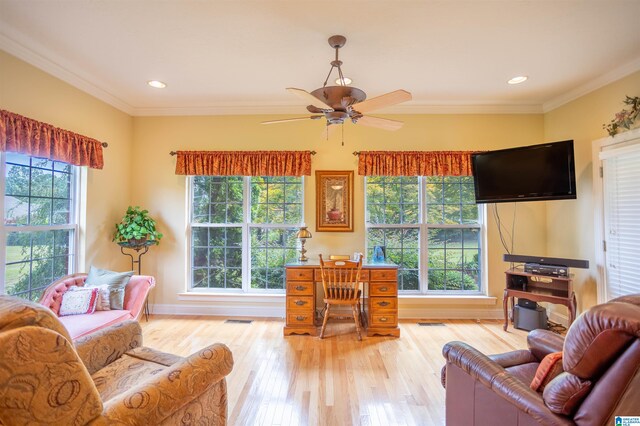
(539, 288)
(380, 308)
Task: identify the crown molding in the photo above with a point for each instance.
(599, 82)
(28, 55)
(275, 109)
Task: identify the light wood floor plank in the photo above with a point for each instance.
(303, 380)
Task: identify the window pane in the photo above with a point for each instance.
(217, 199)
(38, 192)
(271, 249)
(36, 259)
(451, 200)
(454, 259)
(276, 200)
(392, 200)
(402, 248)
(216, 257)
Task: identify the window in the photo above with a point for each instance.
(243, 231)
(39, 224)
(431, 227)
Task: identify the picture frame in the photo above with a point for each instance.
(334, 200)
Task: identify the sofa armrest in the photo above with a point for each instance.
(136, 292)
(543, 342)
(167, 393)
(101, 348)
(510, 359)
(503, 384)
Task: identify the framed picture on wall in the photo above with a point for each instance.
(334, 200)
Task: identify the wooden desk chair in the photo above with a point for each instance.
(341, 283)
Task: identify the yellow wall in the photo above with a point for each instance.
(158, 189)
(570, 223)
(27, 91)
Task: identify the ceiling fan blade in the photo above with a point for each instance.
(303, 94)
(388, 99)
(380, 123)
(313, 117)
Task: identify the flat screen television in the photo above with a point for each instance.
(528, 173)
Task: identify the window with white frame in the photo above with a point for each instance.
(242, 231)
(431, 227)
(39, 226)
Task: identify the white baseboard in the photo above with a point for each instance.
(559, 318)
(278, 311)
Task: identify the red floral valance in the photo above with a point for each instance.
(415, 163)
(244, 163)
(26, 136)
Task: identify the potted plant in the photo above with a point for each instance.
(136, 229)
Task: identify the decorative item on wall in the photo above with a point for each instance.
(626, 118)
(334, 200)
(302, 235)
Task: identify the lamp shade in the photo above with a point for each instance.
(303, 233)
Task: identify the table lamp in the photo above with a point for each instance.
(302, 235)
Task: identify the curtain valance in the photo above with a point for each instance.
(244, 163)
(26, 136)
(415, 163)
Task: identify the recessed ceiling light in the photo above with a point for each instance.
(517, 80)
(343, 82)
(157, 84)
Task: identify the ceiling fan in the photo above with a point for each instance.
(341, 103)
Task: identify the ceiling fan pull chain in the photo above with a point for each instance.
(342, 125)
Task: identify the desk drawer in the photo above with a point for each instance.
(298, 303)
(384, 275)
(364, 275)
(383, 289)
(300, 318)
(301, 288)
(384, 303)
(384, 320)
(299, 274)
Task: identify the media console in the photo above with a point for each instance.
(542, 279)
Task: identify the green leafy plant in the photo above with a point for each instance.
(624, 118)
(137, 228)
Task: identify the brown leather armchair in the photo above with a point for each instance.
(601, 378)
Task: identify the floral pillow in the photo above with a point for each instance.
(79, 301)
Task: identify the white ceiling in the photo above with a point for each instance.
(238, 56)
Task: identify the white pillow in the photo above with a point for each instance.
(78, 301)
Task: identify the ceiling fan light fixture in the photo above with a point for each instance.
(344, 81)
(517, 80)
(157, 84)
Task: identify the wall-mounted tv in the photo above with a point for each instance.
(528, 173)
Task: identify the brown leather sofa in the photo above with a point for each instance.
(601, 378)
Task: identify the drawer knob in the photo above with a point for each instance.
(384, 288)
(300, 302)
(300, 287)
(383, 319)
(383, 303)
(300, 318)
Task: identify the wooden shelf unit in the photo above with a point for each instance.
(539, 288)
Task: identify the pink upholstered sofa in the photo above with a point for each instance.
(135, 295)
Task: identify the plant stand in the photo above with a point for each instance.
(137, 260)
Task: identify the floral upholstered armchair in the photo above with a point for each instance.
(107, 378)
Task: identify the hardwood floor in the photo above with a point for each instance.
(302, 380)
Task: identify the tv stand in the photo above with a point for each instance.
(539, 288)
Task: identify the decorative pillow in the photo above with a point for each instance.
(79, 301)
(549, 369)
(103, 297)
(116, 281)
